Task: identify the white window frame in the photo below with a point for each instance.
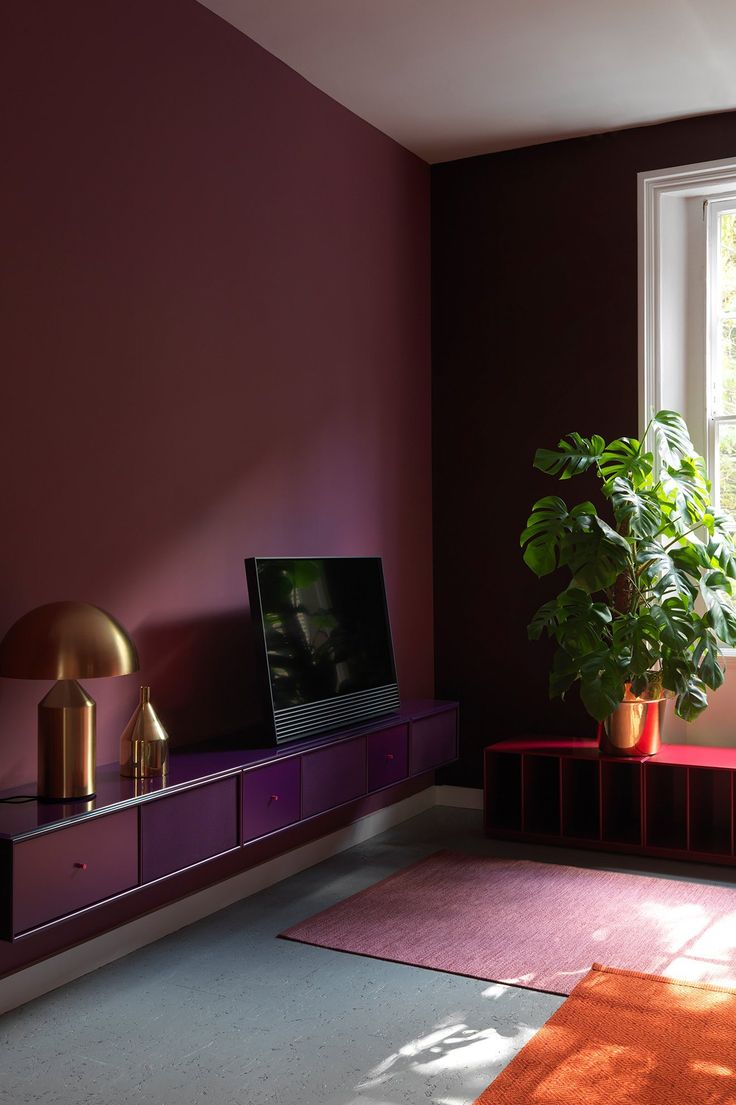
(715, 208)
(675, 312)
(674, 323)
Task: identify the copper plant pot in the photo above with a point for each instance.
(635, 726)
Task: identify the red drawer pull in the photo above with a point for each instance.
(390, 756)
(274, 797)
(81, 866)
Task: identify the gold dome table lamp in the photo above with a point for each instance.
(66, 641)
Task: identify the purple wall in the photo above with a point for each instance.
(215, 343)
(535, 334)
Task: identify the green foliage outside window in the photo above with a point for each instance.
(726, 384)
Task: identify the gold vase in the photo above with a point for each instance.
(144, 745)
(635, 726)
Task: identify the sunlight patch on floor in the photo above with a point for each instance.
(495, 990)
(678, 924)
(701, 970)
(454, 1047)
(703, 947)
(473, 1050)
(713, 1069)
(598, 1072)
(718, 941)
(696, 970)
(527, 981)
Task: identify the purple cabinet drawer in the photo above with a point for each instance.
(387, 757)
(432, 741)
(332, 776)
(63, 871)
(182, 829)
(271, 798)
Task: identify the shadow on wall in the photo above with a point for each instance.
(202, 674)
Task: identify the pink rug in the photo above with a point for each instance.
(537, 925)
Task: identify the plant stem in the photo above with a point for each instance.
(643, 438)
(680, 536)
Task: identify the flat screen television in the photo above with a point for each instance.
(323, 641)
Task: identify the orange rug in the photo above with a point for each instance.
(623, 1038)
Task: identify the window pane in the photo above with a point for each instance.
(724, 364)
(727, 262)
(727, 368)
(726, 475)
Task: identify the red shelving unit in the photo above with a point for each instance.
(679, 803)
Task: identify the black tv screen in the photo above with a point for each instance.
(324, 640)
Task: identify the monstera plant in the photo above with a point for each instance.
(649, 599)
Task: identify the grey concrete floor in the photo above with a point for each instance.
(223, 1012)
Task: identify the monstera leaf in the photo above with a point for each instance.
(637, 635)
(707, 658)
(672, 437)
(638, 511)
(693, 700)
(544, 621)
(601, 684)
(544, 531)
(580, 622)
(660, 572)
(594, 552)
(688, 489)
(624, 458)
(674, 622)
(716, 592)
(574, 454)
(720, 550)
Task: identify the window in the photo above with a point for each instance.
(687, 307)
(721, 351)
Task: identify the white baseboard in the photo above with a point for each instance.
(59, 969)
(466, 798)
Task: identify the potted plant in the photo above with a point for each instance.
(649, 600)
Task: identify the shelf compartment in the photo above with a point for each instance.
(432, 742)
(332, 776)
(187, 828)
(581, 801)
(60, 872)
(666, 806)
(710, 810)
(541, 795)
(503, 791)
(621, 795)
(271, 798)
(388, 760)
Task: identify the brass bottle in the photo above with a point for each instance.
(144, 745)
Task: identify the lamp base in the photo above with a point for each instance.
(66, 743)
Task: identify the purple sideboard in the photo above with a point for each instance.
(432, 740)
(62, 872)
(388, 757)
(271, 798)
(331, 776)
(188, 828)
(62, 863)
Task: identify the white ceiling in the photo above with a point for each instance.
(451, 78)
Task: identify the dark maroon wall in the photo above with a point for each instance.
(535, 334)
(215, 343)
